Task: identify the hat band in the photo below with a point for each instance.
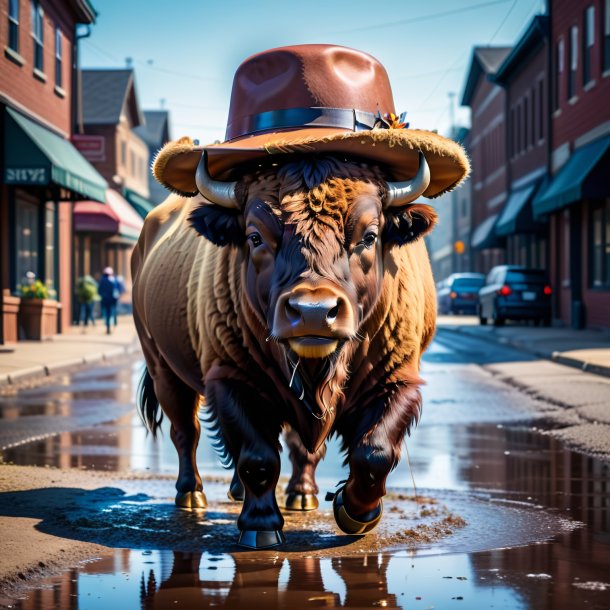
(342, 118)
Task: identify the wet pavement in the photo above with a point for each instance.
(503, 516)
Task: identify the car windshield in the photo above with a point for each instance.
(468, 283)
(529, 276)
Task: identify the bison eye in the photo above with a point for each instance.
(255, 239)
(369, 240)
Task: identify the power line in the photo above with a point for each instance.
(510, 10)
(464, 9)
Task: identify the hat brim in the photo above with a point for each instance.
(397, 150)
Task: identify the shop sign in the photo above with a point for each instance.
(26, 175)
(93, 148)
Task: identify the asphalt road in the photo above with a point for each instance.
(504, 513)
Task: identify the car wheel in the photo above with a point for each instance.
(482, 318)
(498, 320)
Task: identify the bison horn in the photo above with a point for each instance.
(215, 191)
(401, 193)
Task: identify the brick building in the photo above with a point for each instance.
(42, 172)
(577, 199)
(487, 149)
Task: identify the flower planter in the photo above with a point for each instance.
(37, 319)
(10, 313)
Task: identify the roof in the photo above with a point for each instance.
(531, 41)
(85, 12)
(484, 61)
(105, 94)
(155, 131)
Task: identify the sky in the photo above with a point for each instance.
(185, 52)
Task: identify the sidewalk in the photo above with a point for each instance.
(77, 346)
(587, 350)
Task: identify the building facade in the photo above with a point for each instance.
(42, 172)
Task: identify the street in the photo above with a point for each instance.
(504, 514)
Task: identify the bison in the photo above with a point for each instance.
(297, 297)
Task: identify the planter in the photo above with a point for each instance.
(10, 312)
(37, 319)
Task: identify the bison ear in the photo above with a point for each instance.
(407, 224)
(222, 226)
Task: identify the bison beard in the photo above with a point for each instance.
(311, 257)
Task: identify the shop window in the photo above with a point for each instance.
(533, 114)
(58, 58)
(540, 110)
(50, 249)
(600, 246)
(38, 35)
(573, 62)
(13, 25)
(526, 126)
(588, 40)
(606, 35)
(27, 239)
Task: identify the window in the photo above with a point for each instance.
(123, 153)
(606, 34)
(559, 50)
(13, 25)
(525, 123)
(50, 257)
(588, 40)
(540, 110)
(511, 137)
(533, 113)
(27, 232)
(573, 62)
(38, 35)
(600, 246)
(58, 58)
(519, 128)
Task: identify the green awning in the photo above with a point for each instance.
(34, 155)
(577, 179)
(516, 217)
(140, 204)
(485, 236)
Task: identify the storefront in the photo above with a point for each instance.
(42, 175)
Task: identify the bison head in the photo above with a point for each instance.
(314, 233)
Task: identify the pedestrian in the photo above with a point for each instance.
(121, 286)
(109, 292)
(86, 293)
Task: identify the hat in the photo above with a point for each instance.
(314, 98)
(108, 271)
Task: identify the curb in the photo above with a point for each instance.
(557, 357)
(65, 366)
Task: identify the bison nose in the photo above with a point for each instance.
(311, 312)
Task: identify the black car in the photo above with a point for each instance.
(515, 293)
(459, 293)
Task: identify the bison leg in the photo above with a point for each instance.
(372, 455)
(250, 430)
(181, 405)
(302, 488)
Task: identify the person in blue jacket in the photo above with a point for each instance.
(109, 291)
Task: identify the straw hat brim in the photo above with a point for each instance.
(396, 150)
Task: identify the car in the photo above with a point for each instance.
(459, 293)
(513, 292)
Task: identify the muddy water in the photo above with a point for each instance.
(536, 531)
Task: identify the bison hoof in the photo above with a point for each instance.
(236, 491)
(192, 500)
(297, 501)
(348, 524)
(253, 539)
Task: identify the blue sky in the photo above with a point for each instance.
(186, 51)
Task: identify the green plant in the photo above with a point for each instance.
(36, 290)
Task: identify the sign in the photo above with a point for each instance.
(93, 148)
(459, 247)
(26, 175)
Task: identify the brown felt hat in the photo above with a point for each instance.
(314, 98)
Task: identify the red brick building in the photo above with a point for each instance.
(524, 76)
(577, 199)
(487, 149)
(40, 169)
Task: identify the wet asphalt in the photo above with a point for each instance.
(501, 515)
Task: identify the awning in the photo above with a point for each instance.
(116, 217)
(34, 155)
(95, 217)
(582, 176)
(517, 217)
(140, 204)
(484, 235)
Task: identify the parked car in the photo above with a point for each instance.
(515, 293)
(459, 293)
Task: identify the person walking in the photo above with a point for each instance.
(109, 293)
(86, 292)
